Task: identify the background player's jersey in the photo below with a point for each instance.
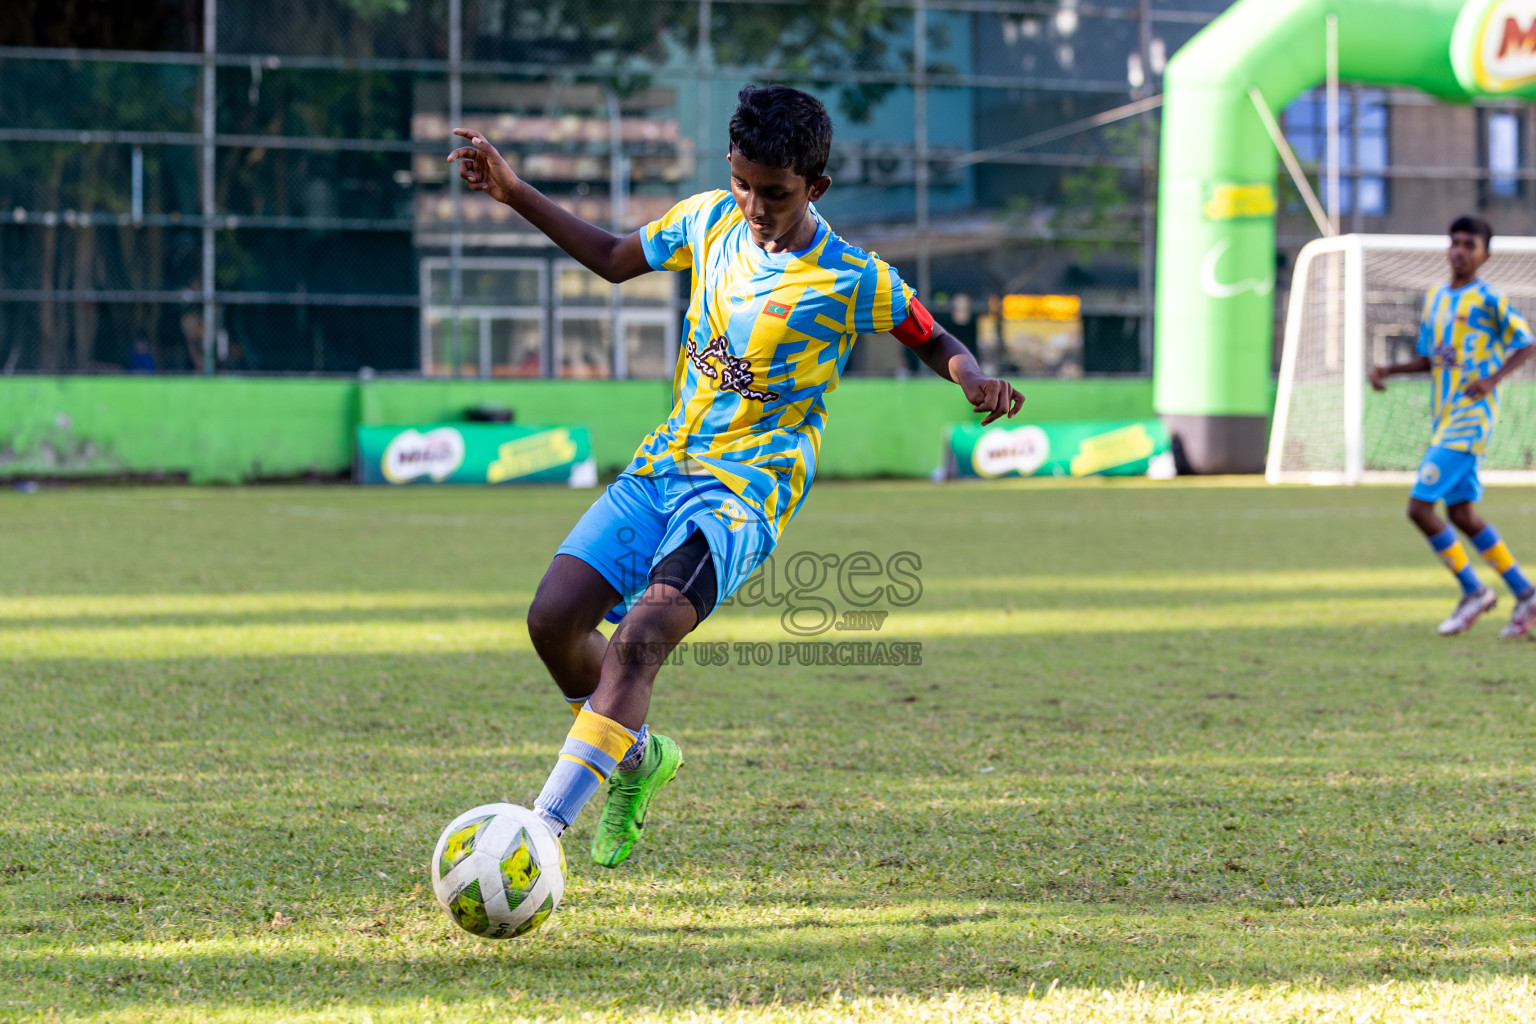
(766, 336)
(1467, 333)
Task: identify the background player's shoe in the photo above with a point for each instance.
(629, 795)
(1521, 620)
(1468, 611)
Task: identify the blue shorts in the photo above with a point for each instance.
(1448, 476)
(638, 520)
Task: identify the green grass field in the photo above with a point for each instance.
(1173, 753)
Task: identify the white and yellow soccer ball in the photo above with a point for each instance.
(498, 870)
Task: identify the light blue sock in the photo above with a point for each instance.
(592, 750)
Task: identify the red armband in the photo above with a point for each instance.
(917, 328)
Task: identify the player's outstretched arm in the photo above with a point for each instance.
(605, 254)
(947, 356)
(1379, 374)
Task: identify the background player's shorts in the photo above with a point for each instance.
(638, 520)
(1448, 476)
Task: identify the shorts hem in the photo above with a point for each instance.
(586, 557)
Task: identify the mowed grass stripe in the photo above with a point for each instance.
(23, 608)
(150, 641)
(149, 606)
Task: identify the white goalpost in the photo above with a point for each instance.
(1355, 301)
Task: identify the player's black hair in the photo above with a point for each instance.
(1474, 226)
(777, 126)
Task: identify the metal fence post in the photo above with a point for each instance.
(920, 143)
(1148, 191)
(210, 104)
(455, 191)
(618, 200)
(706, 61)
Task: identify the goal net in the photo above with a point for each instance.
(1355, 301)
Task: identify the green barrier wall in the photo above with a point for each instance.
(896, 427)
(232, 429)
(214, 430)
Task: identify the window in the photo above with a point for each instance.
(528, 317)
(501, 318)
(1503, 132)
(1362, 145)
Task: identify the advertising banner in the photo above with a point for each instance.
(1080, 448)
(474, 453)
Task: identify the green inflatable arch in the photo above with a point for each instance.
(1216, 204)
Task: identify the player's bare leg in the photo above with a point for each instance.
(1423, 515)
(571, 600)
(641, 644)
(608, 732)
(651, 629)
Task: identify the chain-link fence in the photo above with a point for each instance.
(304, 220)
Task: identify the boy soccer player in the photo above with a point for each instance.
(777, 301)
(1470, 339)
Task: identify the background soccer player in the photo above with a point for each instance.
(1470, 339)
(776, 304)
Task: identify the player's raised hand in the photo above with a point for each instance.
(992, 396)
(482, 168)
(1378, 378)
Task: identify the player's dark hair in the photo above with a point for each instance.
(1474, 226)
(777, 126)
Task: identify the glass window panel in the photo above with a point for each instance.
(1346, 150)
(579, 286)
(1373, 153)
(586, 347)
(1373, 196)
(1373, 117)
(1309, 148)
(1346, 195)
(501, 286)
(649, 290)
(1301, 115)
(515, 348)
(488, 286)
(1503, 153)
(650, 350)
(441, 345)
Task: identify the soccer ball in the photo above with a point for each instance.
(498, 870)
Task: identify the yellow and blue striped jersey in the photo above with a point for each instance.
(1467, 333)
(766, 336)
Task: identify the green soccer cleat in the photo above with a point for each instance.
(629, 795)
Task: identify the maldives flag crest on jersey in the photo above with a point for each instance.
(778, 309)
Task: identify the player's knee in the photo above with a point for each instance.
(550, 627)
(651, 623)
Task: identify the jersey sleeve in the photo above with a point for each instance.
(883, 300)
(1426, 342)
(1514, 331)
(668, 241)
